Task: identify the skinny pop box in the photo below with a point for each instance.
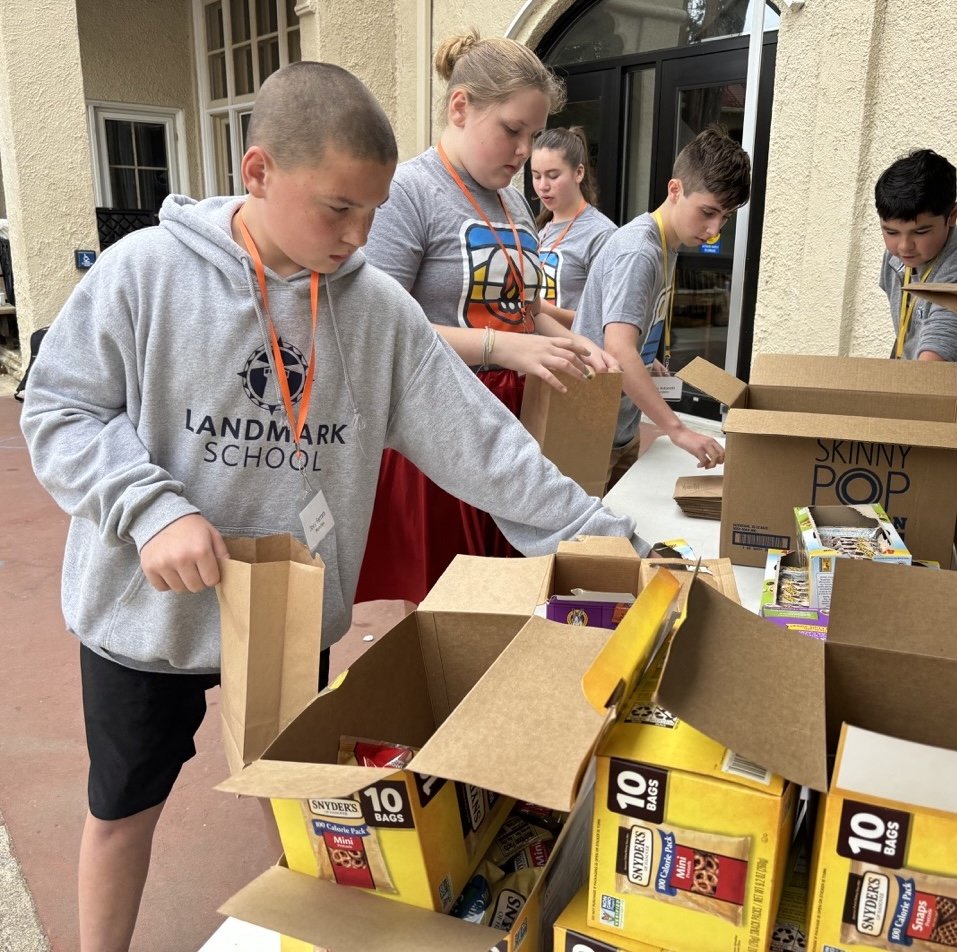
(811, 431)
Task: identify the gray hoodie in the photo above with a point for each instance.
(153, 398)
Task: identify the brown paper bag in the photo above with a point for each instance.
(576, 429)
(270, 606)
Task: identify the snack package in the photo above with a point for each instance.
(707, 872)
(515, 835)
(372, 753)
(347, 849)
(493, 898)
(474, 902)
(509, 896)
(534, 856)
(897, 909)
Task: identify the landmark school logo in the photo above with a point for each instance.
(257, 376)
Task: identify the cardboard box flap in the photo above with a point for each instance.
(943, 294)
(618, 667)
(526, 729)
(903, 772)
(840, 427)
(476, 584)
(890, 649)
(748, 684)
(336, 917)
(355, 706)
(895, 608)
(858, 374)
(714, 381)
(285, 779)
(617, 547)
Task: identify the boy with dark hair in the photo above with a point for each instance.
(626, 305)
(916, 199)
(229, 372)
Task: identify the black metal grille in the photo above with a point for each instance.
(6, 266)
(115, 223)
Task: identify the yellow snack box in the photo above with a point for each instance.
(572, 933)
(689, 840)
(884, 866)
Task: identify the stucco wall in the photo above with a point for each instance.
(858, 83)
(143, 53)
(43, 148)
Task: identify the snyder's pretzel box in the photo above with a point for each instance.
(889, 667)
(572, 933)
(410, 837)
(829, 533)
(785, 595)
(835, 430)
(522, 721)
(884, 870)
(689, 840)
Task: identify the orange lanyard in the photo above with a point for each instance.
(907, 308)
(296, 423)
(516, 270)
(671, 285)
(568, 227)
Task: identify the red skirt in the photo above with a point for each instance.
(418, 528)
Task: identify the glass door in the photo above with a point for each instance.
(593, 105)
(695, 93)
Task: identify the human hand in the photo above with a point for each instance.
(540, 356)
(598, 360)
(182, 557)
(707, 451)
(658, 369)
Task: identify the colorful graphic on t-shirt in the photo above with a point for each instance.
(651, 340)
(551, 262)
(491, 296)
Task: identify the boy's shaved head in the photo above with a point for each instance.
(305, 107)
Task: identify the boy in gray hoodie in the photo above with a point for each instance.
(156, 418)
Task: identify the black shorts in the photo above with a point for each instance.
(139, 731)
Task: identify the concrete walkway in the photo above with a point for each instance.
(208, 844)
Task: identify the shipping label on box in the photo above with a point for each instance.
(884, 872)
(689, 840)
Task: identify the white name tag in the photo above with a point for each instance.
(669, 387)
(316, 521)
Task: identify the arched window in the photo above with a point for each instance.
(611, 28)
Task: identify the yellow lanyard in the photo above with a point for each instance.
(670, 289)
(907, 308)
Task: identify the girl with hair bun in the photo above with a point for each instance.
(464, 243)
(571, 229)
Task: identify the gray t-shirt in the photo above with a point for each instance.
(626, 285)
(566, 266)
(433, 242)
(932, 327)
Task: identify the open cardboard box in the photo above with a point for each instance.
(835, 430)
(524, 724)
(889, 665)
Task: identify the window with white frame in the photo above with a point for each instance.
(238, 44)
(135, 159)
